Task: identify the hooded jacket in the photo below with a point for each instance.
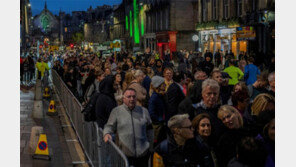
(185, 107)
(106, 101)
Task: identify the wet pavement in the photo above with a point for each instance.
(58, 148)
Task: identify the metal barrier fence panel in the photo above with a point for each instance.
(110, 154)
(99, 153)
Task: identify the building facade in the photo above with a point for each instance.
(25, 24)
(46, 27)
(160, 24)
(234, 25)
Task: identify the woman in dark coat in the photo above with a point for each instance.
(202, 150)
(226, 146)
(105, 101)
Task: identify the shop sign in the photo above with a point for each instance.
(207, 32)
(227, 31)
(245, 33)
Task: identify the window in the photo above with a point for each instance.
(214, 14)
(167, 17)
(204, 11)
(225, 9)
(239, 7)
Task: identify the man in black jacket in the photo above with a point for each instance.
(174, 92)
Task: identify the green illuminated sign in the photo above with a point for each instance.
(126, 22)
(136, 22)
(131, 23)
(142, 21)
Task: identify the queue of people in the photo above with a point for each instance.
(180, 111)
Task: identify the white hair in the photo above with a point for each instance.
(211, 83)
(138, 73)
(177, 120)
(271, 76)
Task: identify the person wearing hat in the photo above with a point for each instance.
(157, 108)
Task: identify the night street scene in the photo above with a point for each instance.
(147, 83)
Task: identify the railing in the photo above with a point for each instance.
(98, 153)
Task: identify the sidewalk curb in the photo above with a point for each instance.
(76, 152)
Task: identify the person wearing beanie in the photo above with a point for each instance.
(157, 108)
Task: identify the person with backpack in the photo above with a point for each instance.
(94, 87)
(105, 101)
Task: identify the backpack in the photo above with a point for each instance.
(87, 90)
(157, 159)
(89, 111)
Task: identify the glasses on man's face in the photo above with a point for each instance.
(187, 127)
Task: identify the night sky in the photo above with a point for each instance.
(68, 5)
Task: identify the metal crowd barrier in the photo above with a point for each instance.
(98, 153)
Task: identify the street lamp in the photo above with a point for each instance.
(29, 5)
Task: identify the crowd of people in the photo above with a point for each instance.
(181, 109)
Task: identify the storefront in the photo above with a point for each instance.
(223, 39)
(244, 35)
(166, 40)
(150, 41)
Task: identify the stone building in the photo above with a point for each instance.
(46, 26)
(25, 24)
(163, 24)
(118, 29)
(235, 25)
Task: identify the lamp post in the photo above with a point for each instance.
(195, 39)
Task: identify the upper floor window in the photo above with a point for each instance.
(225, 9)
(204, 11)
(239, 7)
(214, 10)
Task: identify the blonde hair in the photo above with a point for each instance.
(260, 103)
(231, 110)
(138, 73)
(129, 77)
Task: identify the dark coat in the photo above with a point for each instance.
(106, 101)
(217, 126)
(226, 146)
(146, 83)
(202, 153)
(225, 93)
(207, 67)
(157, 108)
(185, 107)
(174, 97)
(174, 155)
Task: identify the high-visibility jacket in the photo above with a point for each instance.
(41, 67)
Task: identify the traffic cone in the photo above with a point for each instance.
(41, 151)
(46, 92)
(51, 109)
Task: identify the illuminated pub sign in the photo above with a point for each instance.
(245, 33)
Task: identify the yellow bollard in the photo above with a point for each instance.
(46, 92)
(51, 108)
